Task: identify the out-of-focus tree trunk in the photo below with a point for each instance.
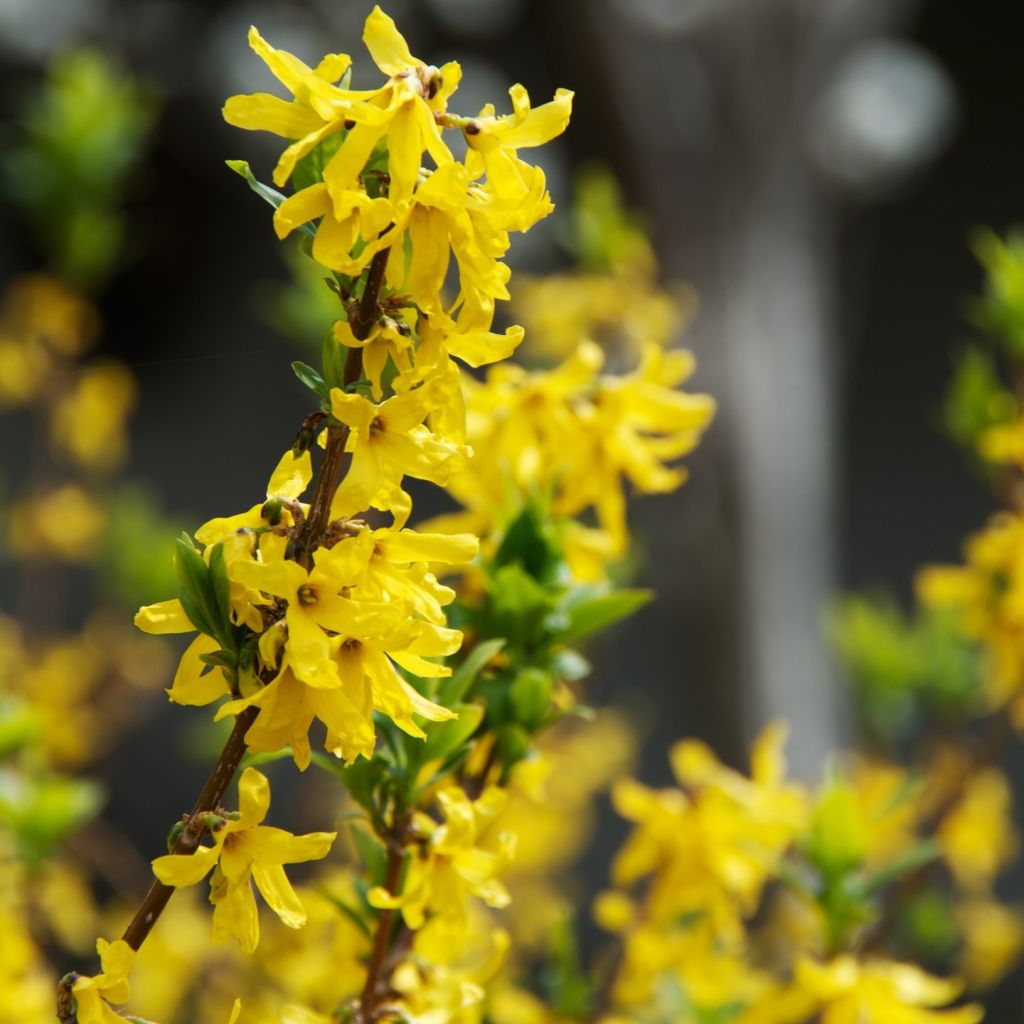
(716, 97)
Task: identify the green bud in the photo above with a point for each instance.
(174, 835)
(838, 838)
(530, 694)
(271, 511)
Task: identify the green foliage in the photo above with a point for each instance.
(532, 607)
(836, 874)
(204, 591)
(42, 810)
(84, 133)
(266, 192)
(1000, 310)
(976, 398)
(310, 169)
(308, 376)
(137, 564)
(604, 234)
(18, 726)
(902, 668)
(570, 993)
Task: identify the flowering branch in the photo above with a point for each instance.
(329, 477)
(209, 799)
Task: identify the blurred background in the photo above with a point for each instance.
(812, 170)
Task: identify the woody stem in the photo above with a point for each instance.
(329, 475)
(209, 799)
(375, 969)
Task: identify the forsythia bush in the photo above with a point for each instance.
(427, 681)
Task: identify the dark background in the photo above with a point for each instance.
(218, 404)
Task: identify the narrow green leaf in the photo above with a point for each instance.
(349, 911)
(311, 379)
(221, 586)
(589, 612)
(444, 737)
(371, 853)
(265, 192)
(456, 686)
(197, 593)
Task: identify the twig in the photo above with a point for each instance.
(375, 969)
(329, 477)
(209, 799)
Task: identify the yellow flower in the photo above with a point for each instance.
(244, 851)
(710, 849)
(401, 111)
(40, 324)
(495, 142)
(450, 863)
(65, 523)
(314, 605)
(993, 940)
(847, 990)
(93, 994)
(89, 420)
(986, 598)
(978, 837)
(389, 441)
(390, 565)
(290, 478)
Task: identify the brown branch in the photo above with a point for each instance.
(362, 319)
(209, 799)
(375, 973)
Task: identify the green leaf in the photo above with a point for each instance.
(513, 744)
(197, 595)
(531, 542)
(310, 169)
(445, 737)
(19, 726)
(976, 398)
(362, 778)
(265, 192)
(372, 853)
(592, 609)
(909, 860)
(349, 911)
(311, 379)
(332, 357)
(455, 687)
(221, 586)
(40, 812)
(530, 695)
(222, 658)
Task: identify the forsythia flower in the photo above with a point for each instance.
(40, 324)
(243, 852)
(93, 994)
(88, 421)
(389, 441)
(450, 863)
(64, 523)
(978, 837)
(578, 434)
(874, 990)
(986, 596)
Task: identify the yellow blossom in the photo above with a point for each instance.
(92, 995)
(64, 523)
(245, 851)
(876, 990)
(977, 836)
(449, 864)
(993, 940)
(89, 420)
